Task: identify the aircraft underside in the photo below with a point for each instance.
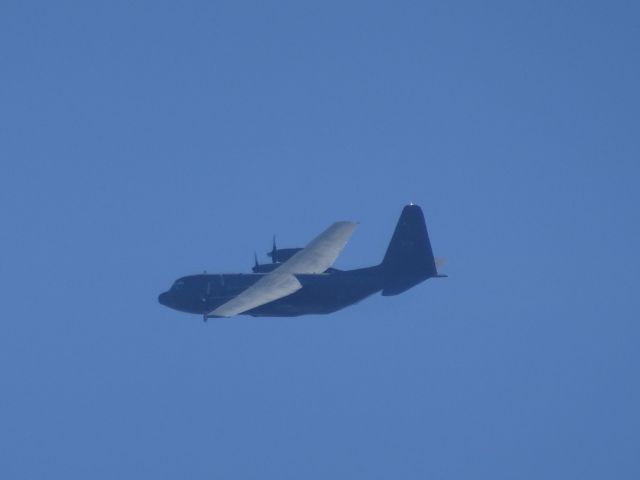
(322, 295)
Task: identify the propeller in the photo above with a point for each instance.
(274, 251)
(255, 257)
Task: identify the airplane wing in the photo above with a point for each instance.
(321, 252)
(314, 258)
(269, 288)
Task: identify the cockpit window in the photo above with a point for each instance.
(177, 284)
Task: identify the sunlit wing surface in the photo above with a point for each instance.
(269, 288)
(321, 252)
(314, 258)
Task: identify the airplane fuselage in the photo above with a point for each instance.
(321, 293)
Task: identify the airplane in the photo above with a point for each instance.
(301, 281)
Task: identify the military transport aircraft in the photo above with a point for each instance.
(300, 281)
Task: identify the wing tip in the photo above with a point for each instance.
(347, 223)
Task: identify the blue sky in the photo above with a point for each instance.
(142, 141)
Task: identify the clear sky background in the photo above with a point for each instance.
(143, 141)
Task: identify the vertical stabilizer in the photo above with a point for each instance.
(409, 258)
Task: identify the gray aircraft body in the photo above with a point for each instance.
(301, 281)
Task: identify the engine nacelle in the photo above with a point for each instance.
(280, 255)
(265, 267)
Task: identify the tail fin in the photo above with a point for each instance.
(409, 258)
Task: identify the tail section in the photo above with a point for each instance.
(409, 258)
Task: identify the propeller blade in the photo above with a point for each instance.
(274, 251)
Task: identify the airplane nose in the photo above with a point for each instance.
(163, 297)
